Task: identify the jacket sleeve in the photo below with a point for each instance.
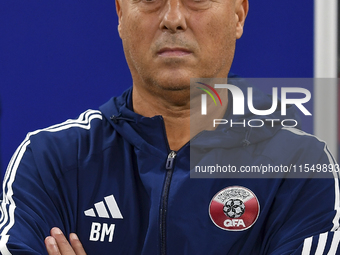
(28, 207)
(311, 223)
(306, 215)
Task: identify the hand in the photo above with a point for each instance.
(57, 244)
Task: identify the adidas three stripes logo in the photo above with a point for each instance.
(102, 209)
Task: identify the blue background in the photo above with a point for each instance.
(59, 58)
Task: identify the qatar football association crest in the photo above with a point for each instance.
(234, 208)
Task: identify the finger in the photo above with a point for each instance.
(63, 245)
(76, 244)
(51, 246)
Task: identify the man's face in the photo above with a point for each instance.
(167, 42)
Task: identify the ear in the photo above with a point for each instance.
(119, 14)
(241, 11)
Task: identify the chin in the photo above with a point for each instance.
(172, 83)
(174, 87)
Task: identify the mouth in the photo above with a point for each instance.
(174, 52)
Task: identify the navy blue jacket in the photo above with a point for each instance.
(110, 177)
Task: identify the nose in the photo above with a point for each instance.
(173, 19)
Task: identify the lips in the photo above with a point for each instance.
(173, 52)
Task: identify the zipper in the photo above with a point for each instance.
(169, 166)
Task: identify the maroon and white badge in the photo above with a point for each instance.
(234, 208)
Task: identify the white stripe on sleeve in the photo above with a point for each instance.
(321, 244)
(307, 245)
(335, 243)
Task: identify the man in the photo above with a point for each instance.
(117, 181)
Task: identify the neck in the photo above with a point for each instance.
(174, 106)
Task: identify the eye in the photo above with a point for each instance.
(149, 5)
(199, 4)
(151, 1)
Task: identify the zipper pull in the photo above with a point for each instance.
(170, 160)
